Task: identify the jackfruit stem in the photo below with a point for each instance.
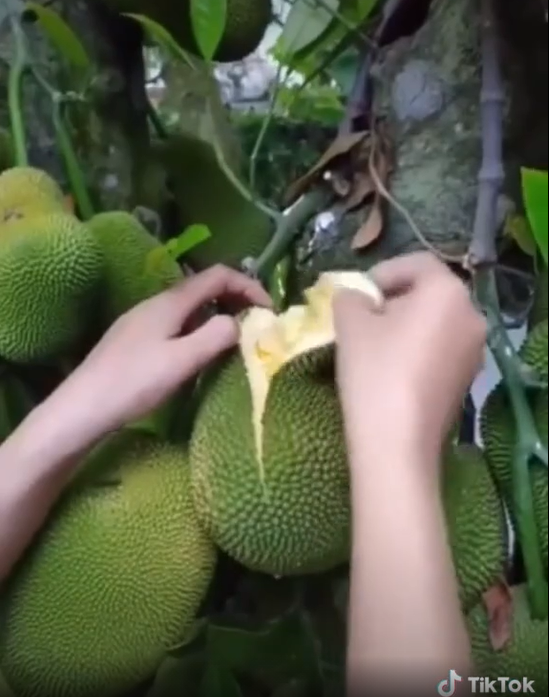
(291, 220)
(527, 447)
(18, 65)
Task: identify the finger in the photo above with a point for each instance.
(400, 274)
(195, 351)
(350, 307)
(219, 283)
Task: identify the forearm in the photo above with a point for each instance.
(36, 463)
(405, 619)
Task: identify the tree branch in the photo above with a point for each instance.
(481, 260)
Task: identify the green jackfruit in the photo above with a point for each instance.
(476, 522)
(499, 434)
(245, 27)
(268, 457)
(113, 582)
(50, 267)
(130, 274)
(539, 308)
(205, 196)
(26, 192)
(523, 657)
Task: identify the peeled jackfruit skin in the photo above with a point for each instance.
(50, 268)
(475, 522)
(114, 580)
(525, 656)
(128, 278)
(499, 434)
(26, 192)
(204, 195)
(290, 514)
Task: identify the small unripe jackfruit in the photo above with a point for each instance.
(130, 274)
(26, 192)
(114, 580)
(50, 267)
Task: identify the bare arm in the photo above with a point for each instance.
(406, 627)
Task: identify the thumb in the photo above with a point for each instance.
(352, 311)
(198, 349)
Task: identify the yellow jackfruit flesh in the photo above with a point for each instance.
(523, 657)
(475, 520)
(26, 192)
(268, 458)
(499, 434)
(204, 195)
(113, 581)
(130, 274)
(50, 267)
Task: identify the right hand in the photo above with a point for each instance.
(407, 369)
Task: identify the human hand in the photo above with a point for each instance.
(151, 350)
(406, 370)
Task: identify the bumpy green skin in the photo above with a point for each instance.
(114, 580)
(499, 434)
(476, 522)
(297, 520)
(127, 279)
(539, 309)
(205, 196)
(525, 656)
(50, 267)
(27, 192)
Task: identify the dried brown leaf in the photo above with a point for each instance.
(371, 229)
(363, 187)
(341, 146)
(498, 602)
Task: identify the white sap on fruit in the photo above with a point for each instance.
(269, 341)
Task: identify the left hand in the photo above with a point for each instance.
(151, 350)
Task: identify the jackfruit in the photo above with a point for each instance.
(476, 522)
(268, 457)
(130, 274)
(539, 308)
(26, 192)
(245, 26)
(499, 434)
(114, 580)
(524, 656)
(204, 195)
(50, 267)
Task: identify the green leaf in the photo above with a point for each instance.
(218, 682)
(208, 19)
(534, 191)
(518, 229)
(162, 38)
(61, 35)
(306, 22)
(178, 676)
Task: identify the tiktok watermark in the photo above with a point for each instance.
(485, 686)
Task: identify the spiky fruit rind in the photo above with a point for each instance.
(50, 268)
(130, 274)
(476, 522)
(114, 580)
(524, 656)
(287, 514)
(26, 192)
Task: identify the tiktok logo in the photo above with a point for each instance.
(446, 688)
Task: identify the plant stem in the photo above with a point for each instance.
(74, 172)
(156, 122)
(291, 220)
(481, 259)
(17, 69)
